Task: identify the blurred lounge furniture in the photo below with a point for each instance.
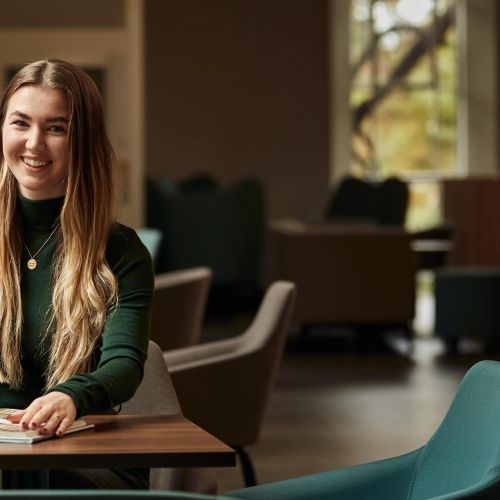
(179, 302)
(472, 207)
(345, 274)
(179, 307)
(361, 201)
(224, 386)
(198, 183)
(391, 202)
(467, 304)
(151, 239)
(156, 396)
(220, 227)
(352, 201)
(460, 461)
(467, 291)
(432, 247)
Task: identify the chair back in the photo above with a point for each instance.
(198, 183)
(352, 200)
(465, 449)
(151, 238)
(360, 201)
(156, 394)
(224, 386)
(391, 202)
(179, 307)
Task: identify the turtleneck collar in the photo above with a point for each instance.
(39, 214)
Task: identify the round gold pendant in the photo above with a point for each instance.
(32, 264)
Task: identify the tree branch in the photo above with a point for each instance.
(430, 38)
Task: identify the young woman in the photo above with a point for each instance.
(75, 286)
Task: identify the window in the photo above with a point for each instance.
(403, 96)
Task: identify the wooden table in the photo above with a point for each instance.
(123, 441)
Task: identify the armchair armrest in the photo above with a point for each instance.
(389, 478)
(199, 354)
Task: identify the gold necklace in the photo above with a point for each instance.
(32, 263)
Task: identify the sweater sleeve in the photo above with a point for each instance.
(121, 355)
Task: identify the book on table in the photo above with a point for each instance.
(14, 433)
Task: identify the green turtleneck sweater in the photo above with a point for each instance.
(119, 358)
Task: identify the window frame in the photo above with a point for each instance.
(477, 123)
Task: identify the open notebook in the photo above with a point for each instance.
(14, 433)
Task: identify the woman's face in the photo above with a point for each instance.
(35, 140)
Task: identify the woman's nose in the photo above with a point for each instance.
(35, 141)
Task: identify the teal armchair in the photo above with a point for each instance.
(460, 461)
(104, 495)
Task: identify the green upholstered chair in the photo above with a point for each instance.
(221, 228)
(352, 201)
(391, 202)
(103, 495)
(201, 182)
(460, 461)
(467, 301)
(361, 201)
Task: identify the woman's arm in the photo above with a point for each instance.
(119, 359)
(121, 356)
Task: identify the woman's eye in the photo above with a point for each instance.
(20, 123)
(57, 129)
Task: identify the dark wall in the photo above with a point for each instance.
(62, 14)
(238, 88)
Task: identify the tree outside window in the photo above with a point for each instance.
(403, 57)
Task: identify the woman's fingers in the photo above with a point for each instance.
(52, 413)
(63, 426)
(16, 417)
(34, 415)
(52, 424)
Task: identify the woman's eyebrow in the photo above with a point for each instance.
(57, 119)
(24, 116)
(52, 119)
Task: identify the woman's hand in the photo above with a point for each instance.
(51, 414)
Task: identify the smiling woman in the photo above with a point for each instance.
(35, 141)
(66, 349)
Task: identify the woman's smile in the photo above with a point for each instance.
(33, 162)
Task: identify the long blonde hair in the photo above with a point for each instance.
(85, 288)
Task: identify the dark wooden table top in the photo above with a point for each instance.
(124, 441)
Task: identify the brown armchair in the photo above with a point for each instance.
(224, 386)
(345, 274)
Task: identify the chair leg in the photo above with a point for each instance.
(451, 344)
(246, 466)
